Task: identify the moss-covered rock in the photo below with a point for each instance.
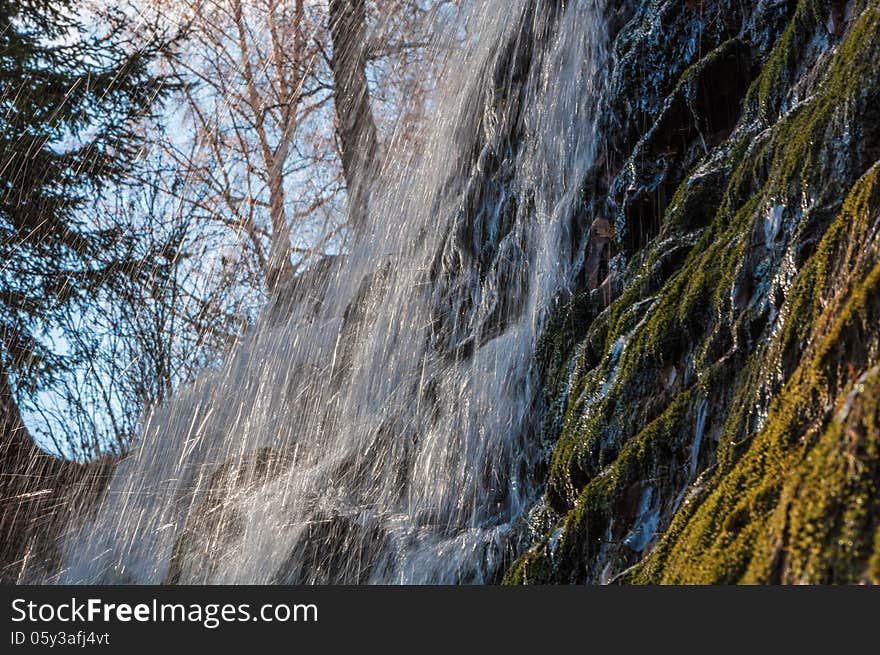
(800, 505)
(717, 422)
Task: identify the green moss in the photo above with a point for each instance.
(787, 495)
(534, 567)
(581, 533)
(831, 502)
(694, 318)
(874, 562)
(579, 452)
(766, 96)
(787, 158)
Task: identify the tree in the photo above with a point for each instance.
(176, 314)
(136, 248)
(71, 100)
(358, 142)
(278, 133)
(250, 132)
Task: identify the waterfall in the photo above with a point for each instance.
(379, 424)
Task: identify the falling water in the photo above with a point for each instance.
(379, 427)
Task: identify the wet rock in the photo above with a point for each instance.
(215, 523)
(743, 182)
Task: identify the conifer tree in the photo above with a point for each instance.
(73, 93)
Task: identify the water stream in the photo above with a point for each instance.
(380, 426)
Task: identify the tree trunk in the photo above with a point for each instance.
(279, 269)
(355, 125)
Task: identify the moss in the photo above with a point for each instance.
(787, 158)
(648, 456)
(696, 116)
(700, 318)
(787, 495)
(533, 567)
(874, 562)
(578, 453)
(831, 503)
(765, 99)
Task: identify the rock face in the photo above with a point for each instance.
(710, 392)
(719, 420)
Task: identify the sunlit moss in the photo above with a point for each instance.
(738, 524)
(786, 493)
